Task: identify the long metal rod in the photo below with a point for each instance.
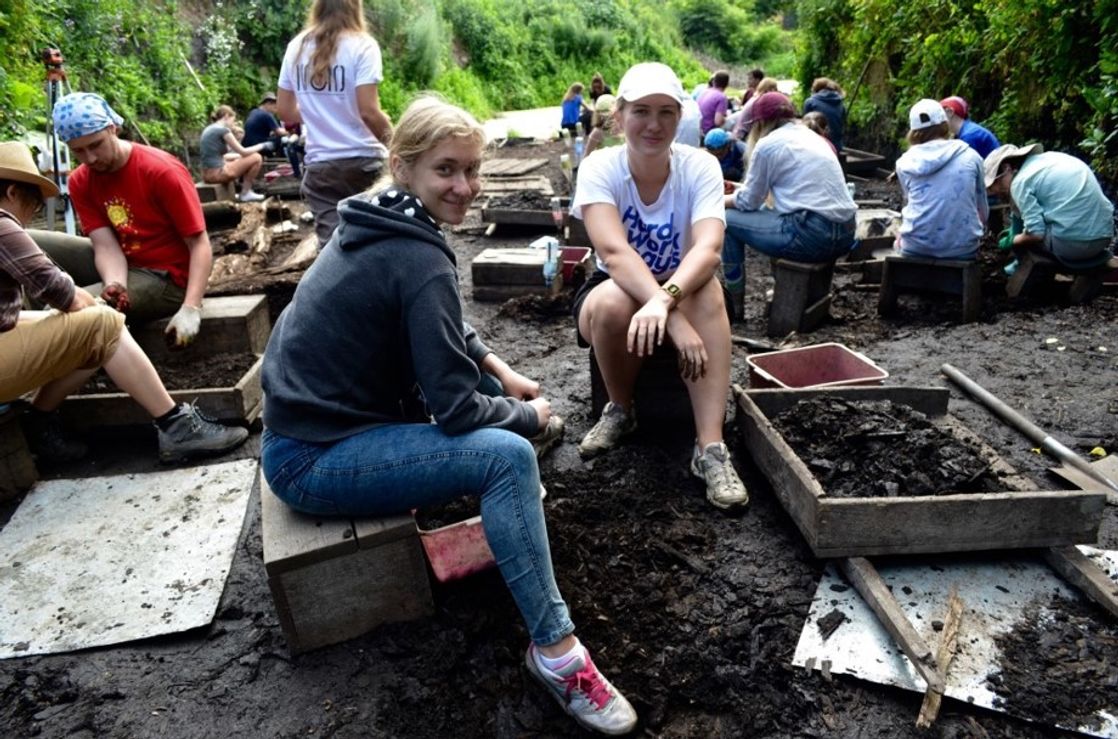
(1025, 426)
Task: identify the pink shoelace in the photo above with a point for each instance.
(589, 681)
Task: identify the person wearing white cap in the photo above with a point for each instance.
(945, 209)
(52, 354)
(1058, 204)
(148, 253)
(655, 215)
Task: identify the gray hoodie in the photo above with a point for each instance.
(945, 210)
(375, 323)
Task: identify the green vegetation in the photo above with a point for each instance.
(1032, 69)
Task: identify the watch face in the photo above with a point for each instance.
(672, 289)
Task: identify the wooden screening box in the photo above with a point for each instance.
(500, 274)
(334, 579)
(230, 323)
(242, 402)
(847, 527)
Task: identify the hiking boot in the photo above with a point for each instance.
(713, 466)
(48, 441)
(188, 434)
(615, 423)
(549, 437)
(585, 694)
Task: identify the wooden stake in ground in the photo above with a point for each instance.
(929, 710)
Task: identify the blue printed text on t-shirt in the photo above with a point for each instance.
(657, 243)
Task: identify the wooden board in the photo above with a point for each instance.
(509, 267)
(239, 403)
(333, 579)
(845, 527)
(230, 324)
(510, 167)
(517, 217)
(506, 185)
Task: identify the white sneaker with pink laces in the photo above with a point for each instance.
(584, 693)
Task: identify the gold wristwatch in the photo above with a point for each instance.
(672, 289)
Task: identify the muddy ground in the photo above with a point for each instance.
(693, 613)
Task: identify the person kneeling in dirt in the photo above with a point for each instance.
(945, 209)
(1059, 207)
(148, 253)
(55, 352)
(224, 159)
(353, 361)
(655, 215)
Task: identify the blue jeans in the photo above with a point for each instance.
(801, 236)
(393, 468)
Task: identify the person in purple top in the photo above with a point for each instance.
(979, 138)
(713, 102)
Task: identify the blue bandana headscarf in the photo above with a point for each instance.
(82, 113)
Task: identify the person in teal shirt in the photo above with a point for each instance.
(1058, 203)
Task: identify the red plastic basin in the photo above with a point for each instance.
(457, 550)
(820, 365)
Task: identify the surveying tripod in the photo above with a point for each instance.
(59, 154)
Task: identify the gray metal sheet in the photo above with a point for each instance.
(861, 647)
(105, 560)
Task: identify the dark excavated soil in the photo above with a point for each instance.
(1060, 665)
(693, 613)
(523, 200)
(863, 449)
(220, 370)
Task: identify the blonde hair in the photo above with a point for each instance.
(767, 84)
(575, 89)
(221, 111)
(327, 22)
(428, 121)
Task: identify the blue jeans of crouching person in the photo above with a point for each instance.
(391, 469)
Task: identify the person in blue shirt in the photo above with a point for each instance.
(573, 104)
(262, 125)
(1058, 204)
(729, 152)
(827, 98)
(978, 137)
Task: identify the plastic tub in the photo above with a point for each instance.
(457, 550)
(572, 257)
(820, 365)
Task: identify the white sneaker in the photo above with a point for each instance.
(714, 467)
(250, 196)
(549, 437)
(585, 694)
(615, 423)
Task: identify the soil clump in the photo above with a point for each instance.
(219, 370)
(522, 200)
(864, 449)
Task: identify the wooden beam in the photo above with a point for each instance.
(864, 577)
(1082, 572)
(929, 710)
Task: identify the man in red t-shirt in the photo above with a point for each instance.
(148, 253)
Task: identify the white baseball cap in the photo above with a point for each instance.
(650, 78)
(925, 114)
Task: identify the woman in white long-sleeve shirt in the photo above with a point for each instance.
(812, 215)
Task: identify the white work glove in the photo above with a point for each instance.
(183, 328)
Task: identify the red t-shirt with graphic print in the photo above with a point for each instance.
(150, 203)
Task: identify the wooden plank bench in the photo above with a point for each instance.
(1035, 268)
(660, 392)
(210, 193)
(801, 296)
(334, 579)
(949, 276)
(17, 468)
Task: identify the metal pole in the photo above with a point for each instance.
(1027, 427)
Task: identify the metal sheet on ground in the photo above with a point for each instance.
(104, 560)
(995, 593)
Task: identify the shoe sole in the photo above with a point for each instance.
(718, 504)
(165, 458)
(591, 452)
(534, 671)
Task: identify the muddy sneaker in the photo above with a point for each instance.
(585, 694)
(713, 466)
(615, 423)
(48, 441)
(250, 196)
(188, 434)
(549, 437)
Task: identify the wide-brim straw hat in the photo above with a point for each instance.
(16, 163)
(994, 159)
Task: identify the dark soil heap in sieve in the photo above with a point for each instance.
(1060, 665)
(522, 200)
(864, 449)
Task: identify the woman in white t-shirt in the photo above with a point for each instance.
(654, 212)
(329, 81)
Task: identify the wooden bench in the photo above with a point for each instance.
(801, 296)
(211, 193)
(948, 276)
(1035, 268)
(334, 579)
(660, 392)
(17, 468)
